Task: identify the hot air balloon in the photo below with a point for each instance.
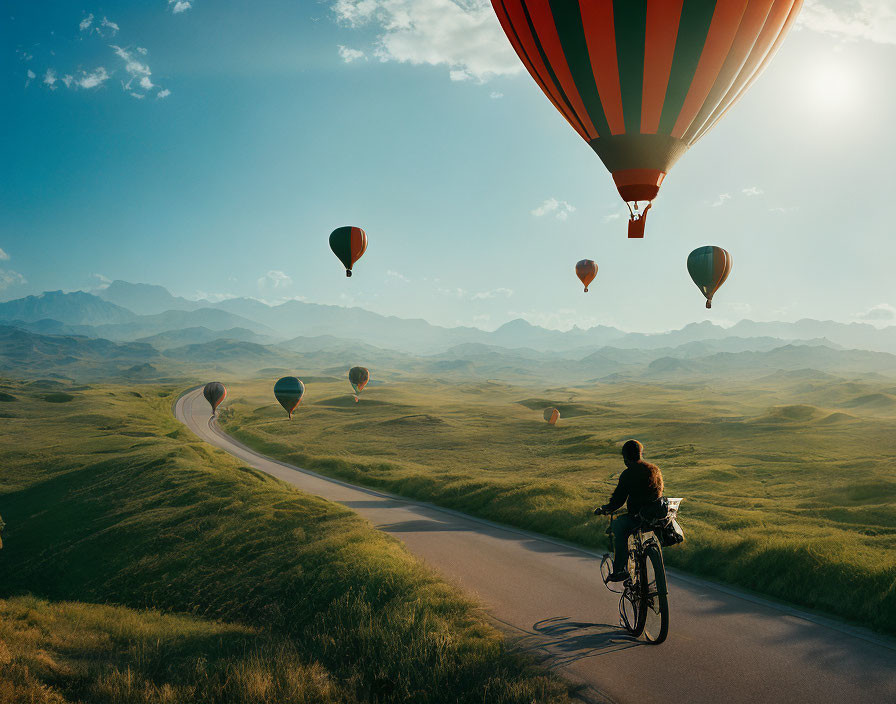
(642, 80)
(289, 392)
(709, 267)
(551, 415)
(358, 378)
(214, 393)
(349, 244)
(586, 270)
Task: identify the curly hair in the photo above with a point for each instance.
(632, 452)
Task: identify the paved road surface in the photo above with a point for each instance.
(724, 647)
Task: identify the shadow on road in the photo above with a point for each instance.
(562, 642)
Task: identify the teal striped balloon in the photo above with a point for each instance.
(709, 267)
(289, 392)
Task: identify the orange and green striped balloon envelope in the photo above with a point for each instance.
(551, 415)
(358, 378)
(586, 270)
(709, 267)
(348, 244)
(214, 393)
(642, 80)
(289, 391)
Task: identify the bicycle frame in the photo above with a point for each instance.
(637, 545)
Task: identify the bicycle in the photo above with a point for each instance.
(644, 600)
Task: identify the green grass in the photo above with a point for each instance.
(71, 651)
(789, 489)
(140, 565)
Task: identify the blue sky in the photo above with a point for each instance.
(211, 146)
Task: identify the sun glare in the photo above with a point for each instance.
(832, 86)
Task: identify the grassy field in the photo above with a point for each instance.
(139, 565)
(788, 482)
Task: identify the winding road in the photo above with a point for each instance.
(724, 646)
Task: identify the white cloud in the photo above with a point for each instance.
(105, 28)
(453, 292)
(869, 20)
(94, 79)
(104, 281)
(178, 6)
(349, 55)
(111, 26)
(164, 93)
(882, 312)
(560, 209)
(463, 294)
(50, 78)
(396, 276)
(494, 293)
(461, 35)
(4, 257)
(29, 76)
(496, 95)
(142, 51)
(752, 191)
(612, 216)
(132, 65)
(212, 297)
(8, 278)
(274, 279)
(138, 71)
(723, 198)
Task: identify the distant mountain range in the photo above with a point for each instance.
(127, 325)
(124, 311)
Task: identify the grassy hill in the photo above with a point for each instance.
(140, 566)
(788, 489)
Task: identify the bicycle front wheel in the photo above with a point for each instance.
(654, 608)
(630, 615)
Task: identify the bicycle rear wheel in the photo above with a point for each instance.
(654, 607)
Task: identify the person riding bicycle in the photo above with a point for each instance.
(640, 483)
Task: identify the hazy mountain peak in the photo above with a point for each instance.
(516, 324)
(76, 308)
(146, 299)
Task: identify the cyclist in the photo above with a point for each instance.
(640, 483)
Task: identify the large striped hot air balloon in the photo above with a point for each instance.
(642, 80)
(289, 392)
(709, 267)
(586, 270)
(348, 244)
(214, 393)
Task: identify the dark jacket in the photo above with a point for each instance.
(635, 487)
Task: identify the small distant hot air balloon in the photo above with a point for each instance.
(349, 244)
(641, 81)
(358, 378)
(214, 393)
(551, 415)
(586, 270)
(709, 267)
(289, 392)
